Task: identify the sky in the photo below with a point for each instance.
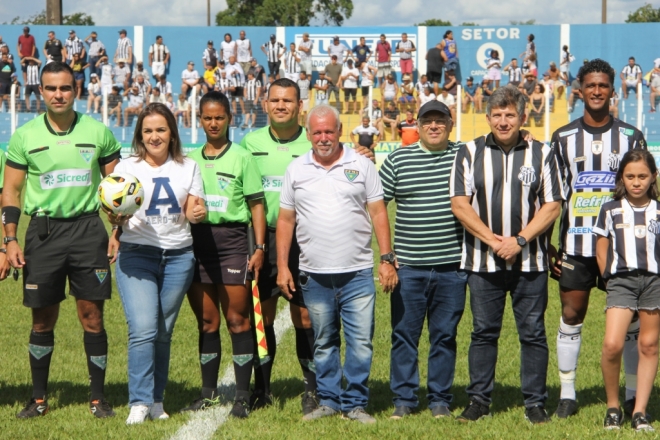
(365, 12)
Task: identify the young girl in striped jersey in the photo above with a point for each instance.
(628, 254)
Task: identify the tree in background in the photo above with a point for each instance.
(440, 22)
(645, 14)
(76, 19)
(522, 22)
(289, 13)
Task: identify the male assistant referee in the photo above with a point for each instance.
(63, 153)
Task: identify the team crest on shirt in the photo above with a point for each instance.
(351, 174)
(640, 231)
(654, 227)
(613, 161)
(527, 175)
(86, 153)
(101, 274)
(223, 182)
(596, 147)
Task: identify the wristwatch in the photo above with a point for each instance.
(388, 258)
(260, 246)
(522, 242)
(6, 240)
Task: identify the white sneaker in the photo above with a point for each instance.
(157, 412)
(138, 414)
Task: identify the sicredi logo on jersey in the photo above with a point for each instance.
(64, 178)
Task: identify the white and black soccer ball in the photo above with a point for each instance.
(121, 193)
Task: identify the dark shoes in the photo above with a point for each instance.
(34, 408)
(566, 408)
(309, 402)
(259, 400)
(401, 412)
(241, 409)
(473, 412)
(536, 415)
(613, 419)
(101, 409)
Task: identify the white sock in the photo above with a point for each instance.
(631, 359)
(569, 340)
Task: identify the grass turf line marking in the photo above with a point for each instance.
(203, 424)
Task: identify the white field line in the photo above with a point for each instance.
(203, 424)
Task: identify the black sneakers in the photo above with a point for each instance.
(536, 415)
(34, 408)
(440, 411)
(241, 409)
(401, 412)
(309, 402)
(640, 423)
(101, 409)
(566, 408)
(259, 400)
(201, 404)
(473, 412)
(613, 418)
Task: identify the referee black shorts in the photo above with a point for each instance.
(221, 253)
(268, 287)
(76, 249)
(579, 273)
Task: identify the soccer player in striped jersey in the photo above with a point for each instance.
(32, 81)
(427, 240)
(628, 254)
(506, 192)
(588, 151)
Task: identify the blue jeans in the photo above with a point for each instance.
(436, 293)
(333, 300)
(529, 297)
(152, 283)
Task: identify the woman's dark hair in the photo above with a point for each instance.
(156, 108)
(540, 86)
(636, 155)
(494, 54)
(217, 97)
(447, 33)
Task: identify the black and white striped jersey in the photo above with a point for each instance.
(507, 190)
(321, 94)
(273, 51)
(252, 87)
(224, 85)
(32, 75)
(292, 64)
(588, 159)
(634, 235)
(158, 51)
(122, 48)
(73, 46)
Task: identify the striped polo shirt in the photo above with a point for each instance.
(426, 233)
(507, 190)
(634, 235)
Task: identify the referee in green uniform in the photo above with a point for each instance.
(5, 267)
(63, 154)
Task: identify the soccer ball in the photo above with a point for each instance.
(121, 193)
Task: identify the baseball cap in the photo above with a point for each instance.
(405, 77)
(209, 42)
(656, 62)
(13, 75)
(253, 59)
(123, 31)
(140, 63)
(433, 106)
(72, 32)
(552, 63)
(121, 60)
(469, 78)
(93, 75)
(272, 36)
(321, 72)
(336, 37)
(546, 73)
(26, 28)
(191, 62)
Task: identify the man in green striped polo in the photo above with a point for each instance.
(427, 241)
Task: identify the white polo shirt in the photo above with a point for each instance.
(332, 221)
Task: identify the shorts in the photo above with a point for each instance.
(306, 66)
(157, 68)
(631, 85)
(79, 76)
(268, 287)
(221, 253)
(406, 98)
(293, 76)
(250, 106)
(76, 249)
(24, 68)
(5, 89)
(635, 290)
(384, 69)
(350, 93)
(32, 89)
(389, 96)
(406, 66)
(305, 105)
(238, 93)
(365, 90)
(494, 75)
(579, 273)
(434, 77)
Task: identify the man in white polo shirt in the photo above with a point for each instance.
(328, 197)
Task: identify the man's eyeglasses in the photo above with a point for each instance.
(426, 123)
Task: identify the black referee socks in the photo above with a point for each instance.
(209, 360)
(305, 352)
(243, 351)
(96, 349)
(264, 367)
(41, 351)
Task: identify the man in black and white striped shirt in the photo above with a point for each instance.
(274, 51)
(32, 82)
(74, 45)
(588, 151)
(515, 72)
(159, 55)
(427, 241)
(292, 63)
(251, 93)
(506, 192)
(124, 49)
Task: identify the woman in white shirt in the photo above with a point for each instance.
(155, 261)
(368, 74)
(94, 92)
(494, 68)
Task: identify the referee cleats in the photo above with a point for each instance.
(309, 402)
(34, 408)
(259, 400)
(241, 409)
(201, 404)
(101, 409)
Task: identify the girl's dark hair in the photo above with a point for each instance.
(174, 148)
(446, 34)
(217, 97)
(494, 54)
(541, 88)
(636, 155)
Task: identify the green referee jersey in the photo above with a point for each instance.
(3, 160)
(273, 156)
(230, 179)
(63, 169)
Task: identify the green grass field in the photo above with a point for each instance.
(68, 392)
